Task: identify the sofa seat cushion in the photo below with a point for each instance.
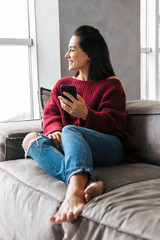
(29, 197)
(120, 175)
(129, 212)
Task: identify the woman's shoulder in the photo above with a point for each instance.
(64, 80)
(112, 84)
(112, 77)
(113, 80)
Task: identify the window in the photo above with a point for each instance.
(18, 91)
(150, 49)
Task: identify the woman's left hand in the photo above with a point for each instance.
(77, 107)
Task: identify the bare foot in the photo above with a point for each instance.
(70, 209)
(93, 190)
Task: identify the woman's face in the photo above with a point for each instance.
(77, 58)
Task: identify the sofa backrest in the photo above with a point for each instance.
(143, 125)
(144, 128)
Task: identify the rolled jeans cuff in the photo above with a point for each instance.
(79, 170)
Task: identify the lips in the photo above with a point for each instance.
(70, 62)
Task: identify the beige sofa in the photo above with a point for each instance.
(129, 209)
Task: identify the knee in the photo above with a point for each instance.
(69, 128)
(29, 138)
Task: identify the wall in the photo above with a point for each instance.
(48, 42)
(119, 23)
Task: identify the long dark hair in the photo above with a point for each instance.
(94, 45)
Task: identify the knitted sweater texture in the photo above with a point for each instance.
(106, 103)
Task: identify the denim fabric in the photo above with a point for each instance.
(82, 149)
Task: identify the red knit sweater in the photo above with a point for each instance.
(106, 103)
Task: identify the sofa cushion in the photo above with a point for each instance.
(129, 212)
(32, 194)
(44, 96)
(12, 135)
(143, 126)
(120, 175)
(29, 197)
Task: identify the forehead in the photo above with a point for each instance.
(74, 41)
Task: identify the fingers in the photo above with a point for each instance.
(80, 98)
(73, 99)
(56, 137)
(77, 107)
(67, 105)
(65, 101)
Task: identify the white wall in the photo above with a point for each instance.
(48, 42)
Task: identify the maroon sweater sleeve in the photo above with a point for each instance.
(52, 117)
(111, 115)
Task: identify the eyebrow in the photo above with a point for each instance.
(71, 47)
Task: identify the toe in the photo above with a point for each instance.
(69, 216)
(87, 197)
(52, 219)
(63, 218)
(89, 190)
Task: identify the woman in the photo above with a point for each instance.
(86, 131)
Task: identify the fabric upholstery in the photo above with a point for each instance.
(28, 198)
(32, 197)
(44, 96)
(12, 135)
(128, 212)
(143, 127)
(129, 209)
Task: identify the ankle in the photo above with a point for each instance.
(78, 181)
(71, 192)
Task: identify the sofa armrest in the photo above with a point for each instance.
(12, 135)
(143, 126)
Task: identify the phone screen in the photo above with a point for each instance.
(69, 89)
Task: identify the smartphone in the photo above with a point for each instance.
(69, 89)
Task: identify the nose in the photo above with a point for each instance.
(67, 54)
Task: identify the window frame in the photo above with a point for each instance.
(150, 82)
(31, 43)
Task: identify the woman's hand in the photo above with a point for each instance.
(56, 137)
(77, 107)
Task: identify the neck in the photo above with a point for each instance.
(82, 76)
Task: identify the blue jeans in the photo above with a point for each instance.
(82, 149)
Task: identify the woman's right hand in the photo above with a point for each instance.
(56, 137)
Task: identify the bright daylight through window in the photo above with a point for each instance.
(15, 73)
(150, 49)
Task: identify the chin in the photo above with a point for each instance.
(71, 69)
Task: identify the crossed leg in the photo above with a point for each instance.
(78, 192)
(76, 198)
